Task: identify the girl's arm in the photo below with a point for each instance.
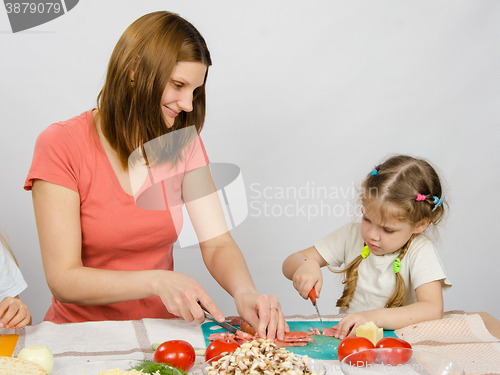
(429, 306)
(304, 269)
(57, 214)
(224, 259)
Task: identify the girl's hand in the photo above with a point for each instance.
(348, 324)
(262, 312)
(304, 269)
(307, 276)
(182, 296)
(14, 313)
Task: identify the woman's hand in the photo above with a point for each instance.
(182, 296)
(263, 312)
(14, 313)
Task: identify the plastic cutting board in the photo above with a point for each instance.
(322, 347)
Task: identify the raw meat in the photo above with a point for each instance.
(330, 332)
(290, 343)
(236, 321)
(221, 335)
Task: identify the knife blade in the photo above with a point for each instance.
(312, 297)
(224, 325)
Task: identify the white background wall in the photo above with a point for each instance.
(303, 95)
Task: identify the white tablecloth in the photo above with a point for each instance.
(459, 337)
(77, 343)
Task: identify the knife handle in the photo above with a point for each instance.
(312, 296)
(207, 314)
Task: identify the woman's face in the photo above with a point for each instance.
(178, 94)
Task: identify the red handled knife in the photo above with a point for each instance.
(312, 297)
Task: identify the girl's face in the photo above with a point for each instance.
(178, 94)
(383, 237)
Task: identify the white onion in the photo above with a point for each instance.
(39, 354)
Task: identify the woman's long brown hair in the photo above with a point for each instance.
(129, 109)
(398, 181)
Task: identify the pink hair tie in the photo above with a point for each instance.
(421, 197)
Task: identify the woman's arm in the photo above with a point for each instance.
(429, 306)
(57, 214)
(224, 260)
(304, 269)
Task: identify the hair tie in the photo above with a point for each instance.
(374, 172)
(421, 197)
(396, 265)
(437, 202)
(365, 252)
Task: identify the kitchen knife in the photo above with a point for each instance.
(224, 325)
(312, 296)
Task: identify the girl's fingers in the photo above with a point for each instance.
(22, 323)
(8, 318)
(16, 321)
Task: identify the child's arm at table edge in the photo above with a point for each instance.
(429, 306)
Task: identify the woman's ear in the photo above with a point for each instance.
(131, 74)
(421, 225)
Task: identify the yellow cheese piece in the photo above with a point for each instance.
(370, 331)
(8, 344)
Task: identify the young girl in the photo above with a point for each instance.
(393, 275)
(13, 312)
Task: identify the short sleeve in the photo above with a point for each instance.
(55, 159)
(425, 264)
(196, 155)
(336, 247)
(12, 282)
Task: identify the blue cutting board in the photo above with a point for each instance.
(322, 347)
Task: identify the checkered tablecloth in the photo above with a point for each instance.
(459, 337)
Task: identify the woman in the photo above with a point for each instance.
(105, 256)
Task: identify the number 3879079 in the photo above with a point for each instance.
(23, 8)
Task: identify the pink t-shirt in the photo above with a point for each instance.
(116, 233)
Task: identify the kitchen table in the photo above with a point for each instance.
(461, 337)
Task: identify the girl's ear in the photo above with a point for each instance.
(421, 225)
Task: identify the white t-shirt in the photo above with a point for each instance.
(11, 280)
(376, 279)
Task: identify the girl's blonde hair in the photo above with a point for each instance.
(4, 242)
(129, 108)
(400, 180)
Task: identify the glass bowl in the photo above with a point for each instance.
(398, 361)
(312, 364)
(93, 367)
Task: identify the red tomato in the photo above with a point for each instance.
(217, 347)
(351, 345)
(397, 351)
(177, 353)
